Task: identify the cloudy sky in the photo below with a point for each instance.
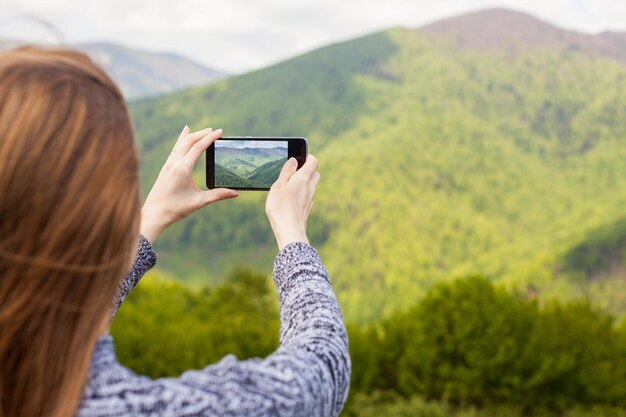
(250, 144)
(241, 35)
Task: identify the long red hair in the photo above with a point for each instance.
(69, 218)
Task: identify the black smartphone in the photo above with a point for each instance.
(250, 163)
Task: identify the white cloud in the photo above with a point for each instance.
(239, 35)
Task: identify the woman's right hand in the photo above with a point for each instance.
(290, 200)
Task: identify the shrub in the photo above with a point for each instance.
(164, 328)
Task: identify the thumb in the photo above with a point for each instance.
(290, 168)
(217, 194)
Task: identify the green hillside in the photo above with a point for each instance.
(244, 161)
(224, 177)
(267, 173)
(237, 166)
(436, 162)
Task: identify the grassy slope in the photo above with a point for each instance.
(435, 163)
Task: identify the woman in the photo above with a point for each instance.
(70, 220)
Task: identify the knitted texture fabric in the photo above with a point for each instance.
(308, 375)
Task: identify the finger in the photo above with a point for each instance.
(218, 194)
(315, 179)
(185, 131)
(310, 166)
(310, 207)
(198, 148)
(186, 141)
(290, 167)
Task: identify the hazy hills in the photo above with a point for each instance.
(248, 167)
(143, 73)
(245, 160)
(439, 158)
(512, 32)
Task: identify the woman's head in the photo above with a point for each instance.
(69, 218)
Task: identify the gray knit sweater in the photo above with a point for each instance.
(308, 375)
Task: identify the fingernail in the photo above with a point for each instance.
(233, 194)
(292, 161)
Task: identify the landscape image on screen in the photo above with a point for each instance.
(248, 163)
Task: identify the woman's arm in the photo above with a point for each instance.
(145, 258)
(308, 375)
(174, 196)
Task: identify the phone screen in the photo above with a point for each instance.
(249, 163)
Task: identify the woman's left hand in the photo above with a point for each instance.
(174, 195)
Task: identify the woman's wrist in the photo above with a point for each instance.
(283, 243)
(287, 235)
(152, 225)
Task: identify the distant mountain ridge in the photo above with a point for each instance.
(512, 31)
(141, 73)
(243, 161)
(251, 167)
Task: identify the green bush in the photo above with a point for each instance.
(463, 343)
(385, 404)
(469, 343)
(576, 357)
(164, 328)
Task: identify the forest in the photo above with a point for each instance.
(261, 177)
(490, 164)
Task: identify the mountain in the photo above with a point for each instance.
(243, 161)
(268, 172)
(227, 178)
(142, 73)
(250, 167)
(510, 31)
(236, 165)
(437, 160)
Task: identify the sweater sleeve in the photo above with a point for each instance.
(145, 258)
(308, 375)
